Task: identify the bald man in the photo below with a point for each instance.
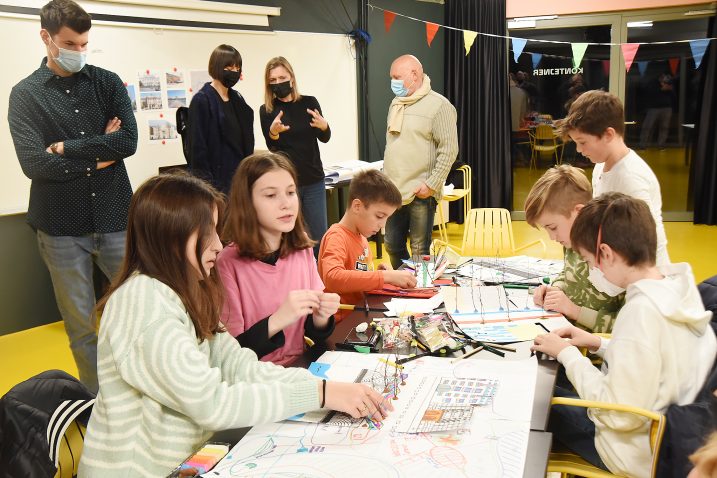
(421, 147)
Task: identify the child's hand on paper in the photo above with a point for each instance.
(555, 299)
(357, 399)
(539, 295)
(551, 344)
(402, 279)
(579, 337)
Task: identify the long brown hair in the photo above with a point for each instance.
(268, 94)
(242, 223)
(164, 213)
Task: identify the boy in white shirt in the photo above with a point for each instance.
(596, 122)
(662, 346)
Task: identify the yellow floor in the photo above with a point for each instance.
(30, 352)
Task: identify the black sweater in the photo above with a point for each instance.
(299, 142)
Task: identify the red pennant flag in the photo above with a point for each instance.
(674, 62)
(388, 18)
(629, 50)
(606, 67)
(431, 29)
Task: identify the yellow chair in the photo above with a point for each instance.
(543, 140)
(567, 463)
(489, 232)
(464, 193)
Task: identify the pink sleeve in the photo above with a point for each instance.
(231, 316)
(315, 279)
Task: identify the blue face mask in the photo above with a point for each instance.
(69, 60)
(398, 88)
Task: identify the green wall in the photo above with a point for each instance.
(26, 295)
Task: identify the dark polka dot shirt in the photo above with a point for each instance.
(69, 196)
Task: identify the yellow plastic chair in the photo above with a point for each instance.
(567, 463)
(464, 193)
(489, 232)
(543, 140)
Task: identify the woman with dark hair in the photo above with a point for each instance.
(169, 375)
(292, 123)
(221, 123)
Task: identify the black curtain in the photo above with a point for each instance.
(705, 151)
(477, 85)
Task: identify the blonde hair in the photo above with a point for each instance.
(558, 191)
(268, 94)
(705, 458)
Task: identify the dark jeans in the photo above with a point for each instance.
(414, 220)
(573, 429)
(313, 208)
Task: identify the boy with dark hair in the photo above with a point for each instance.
(662, 346)
(553, 203)
(596, 122)
(72, 125)
(344, 257)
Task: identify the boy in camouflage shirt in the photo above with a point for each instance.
(553, 203)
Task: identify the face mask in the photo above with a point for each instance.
(281, 90)
(398, 88)
(230, 78)
(600, 282)
(69, 60)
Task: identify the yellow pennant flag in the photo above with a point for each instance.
(468, 38)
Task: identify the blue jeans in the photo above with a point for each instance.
(415, 221)
(313, 208)
(573, 429)
(69, 260)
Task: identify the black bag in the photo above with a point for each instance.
(183, 130)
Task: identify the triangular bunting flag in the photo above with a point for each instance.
(698, 48)
(629, 50)
(431, 29)
(674, 63)
(468, 39)
(518, 45)
(606, 67)
(578, 53)
(536, 57)
(642, 66)
(388, 18)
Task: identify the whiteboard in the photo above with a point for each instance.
(324, 64)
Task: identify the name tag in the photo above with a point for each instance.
(360, 266)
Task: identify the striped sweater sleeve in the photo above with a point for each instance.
(165, 362)
(445, 135)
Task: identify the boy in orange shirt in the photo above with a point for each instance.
(345, 262)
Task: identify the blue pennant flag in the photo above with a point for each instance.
(518, 45)
(698, 48)
(536, 57)
(642, 66)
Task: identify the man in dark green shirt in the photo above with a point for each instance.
(72, 126)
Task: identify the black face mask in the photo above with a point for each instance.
(230, 78)
(281, 90)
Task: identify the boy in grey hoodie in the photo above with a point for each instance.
(661, 349)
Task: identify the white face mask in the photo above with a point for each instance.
(599, 281)
(70, 60)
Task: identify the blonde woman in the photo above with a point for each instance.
(292, 123)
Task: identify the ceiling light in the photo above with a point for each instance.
(699, 12)
(515, 24)
(642, 24)
(539, 17)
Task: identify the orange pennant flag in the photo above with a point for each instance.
(388, 18)
(629, 50)
(674, 63)
(431, 30)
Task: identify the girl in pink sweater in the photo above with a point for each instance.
(273, 293)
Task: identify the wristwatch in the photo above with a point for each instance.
(53, 147)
